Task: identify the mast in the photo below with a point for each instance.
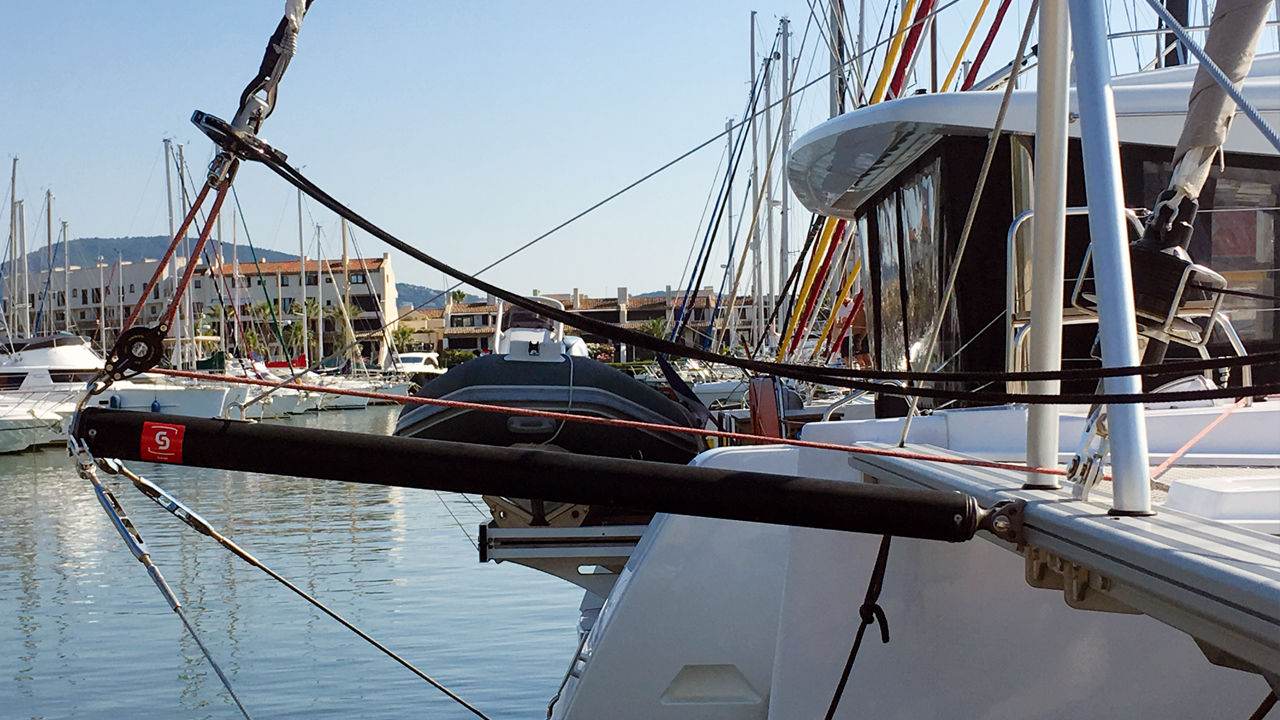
(730, 321)
(102, 309)
(66, 278)
(119, 280)
(302, 282)
(168, 196)
(184, 306)
(768, 189)
(756, 308)
(11, 285)
(235, 283)
(784, 214)
(48, 235)
(222, 314)
(346, 277)
(26, 278)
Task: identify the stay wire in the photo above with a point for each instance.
(138, 548)
(193, 520)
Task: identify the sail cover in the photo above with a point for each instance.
(1233, 38)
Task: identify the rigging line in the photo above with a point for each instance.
(681, 429)
(1238, 293)
(138, 548)
(1163, 467)
(1081, 398)
(164, 260)
(456, 521)
(704, 258)
(257, 268)
(935, 326)
(1207, 65)
(839, 376)
(193, 520)
(712, 192)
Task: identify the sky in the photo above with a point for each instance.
(465, 128)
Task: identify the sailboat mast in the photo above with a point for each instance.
(11, 285)
(102, 309)
(756, 308)
(168, 193)
(768, 189)
(66, 278)
(26, 278)
(222, 314)
(346, 275)
(302, 281)
(729, 322)
(784, 214)
(184, 307)
(48, 231)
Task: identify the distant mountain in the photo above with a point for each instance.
(416, 295)
(86, 251)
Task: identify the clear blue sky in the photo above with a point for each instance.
(466, 128)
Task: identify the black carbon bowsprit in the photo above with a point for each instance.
(524, 472)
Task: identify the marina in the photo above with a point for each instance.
(987, 350)
(86, 635)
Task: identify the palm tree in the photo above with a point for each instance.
(401, 337)
(458, 296)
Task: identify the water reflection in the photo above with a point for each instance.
(90, 636)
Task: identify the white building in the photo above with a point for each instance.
(102, 296)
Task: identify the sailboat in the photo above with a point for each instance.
(1136, 598)
(1102, 595)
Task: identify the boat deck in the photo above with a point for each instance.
(1207, 578)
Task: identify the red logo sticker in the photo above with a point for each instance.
(162, 442)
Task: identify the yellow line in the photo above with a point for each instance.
(814, 262)
(895, 47)
(951, 74)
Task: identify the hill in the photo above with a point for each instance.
(86, 251)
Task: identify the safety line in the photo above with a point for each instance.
(615, 422)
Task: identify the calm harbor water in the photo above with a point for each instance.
(85, 634)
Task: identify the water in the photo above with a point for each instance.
(85, 634)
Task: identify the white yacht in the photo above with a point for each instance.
(1132, 598)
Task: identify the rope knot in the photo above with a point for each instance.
(873, 613)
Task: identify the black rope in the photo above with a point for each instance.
(1268, 702)
(870, 612)
(1237, 293)
(252, 149)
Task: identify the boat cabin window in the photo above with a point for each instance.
(1235, 234)
(518, 317)
(909, 234)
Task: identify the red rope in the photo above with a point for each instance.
(972, 76)
(614, 422)
(173, 245)
(195, 253)
(1163, 467)
(909, 49)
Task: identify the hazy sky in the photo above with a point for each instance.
(466, 128)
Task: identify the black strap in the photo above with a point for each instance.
(1268, 702)
(870, 612)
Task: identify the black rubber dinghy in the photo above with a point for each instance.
(576, 385)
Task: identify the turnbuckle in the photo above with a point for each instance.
(1085, 470)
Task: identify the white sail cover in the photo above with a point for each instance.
(1233, 38)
